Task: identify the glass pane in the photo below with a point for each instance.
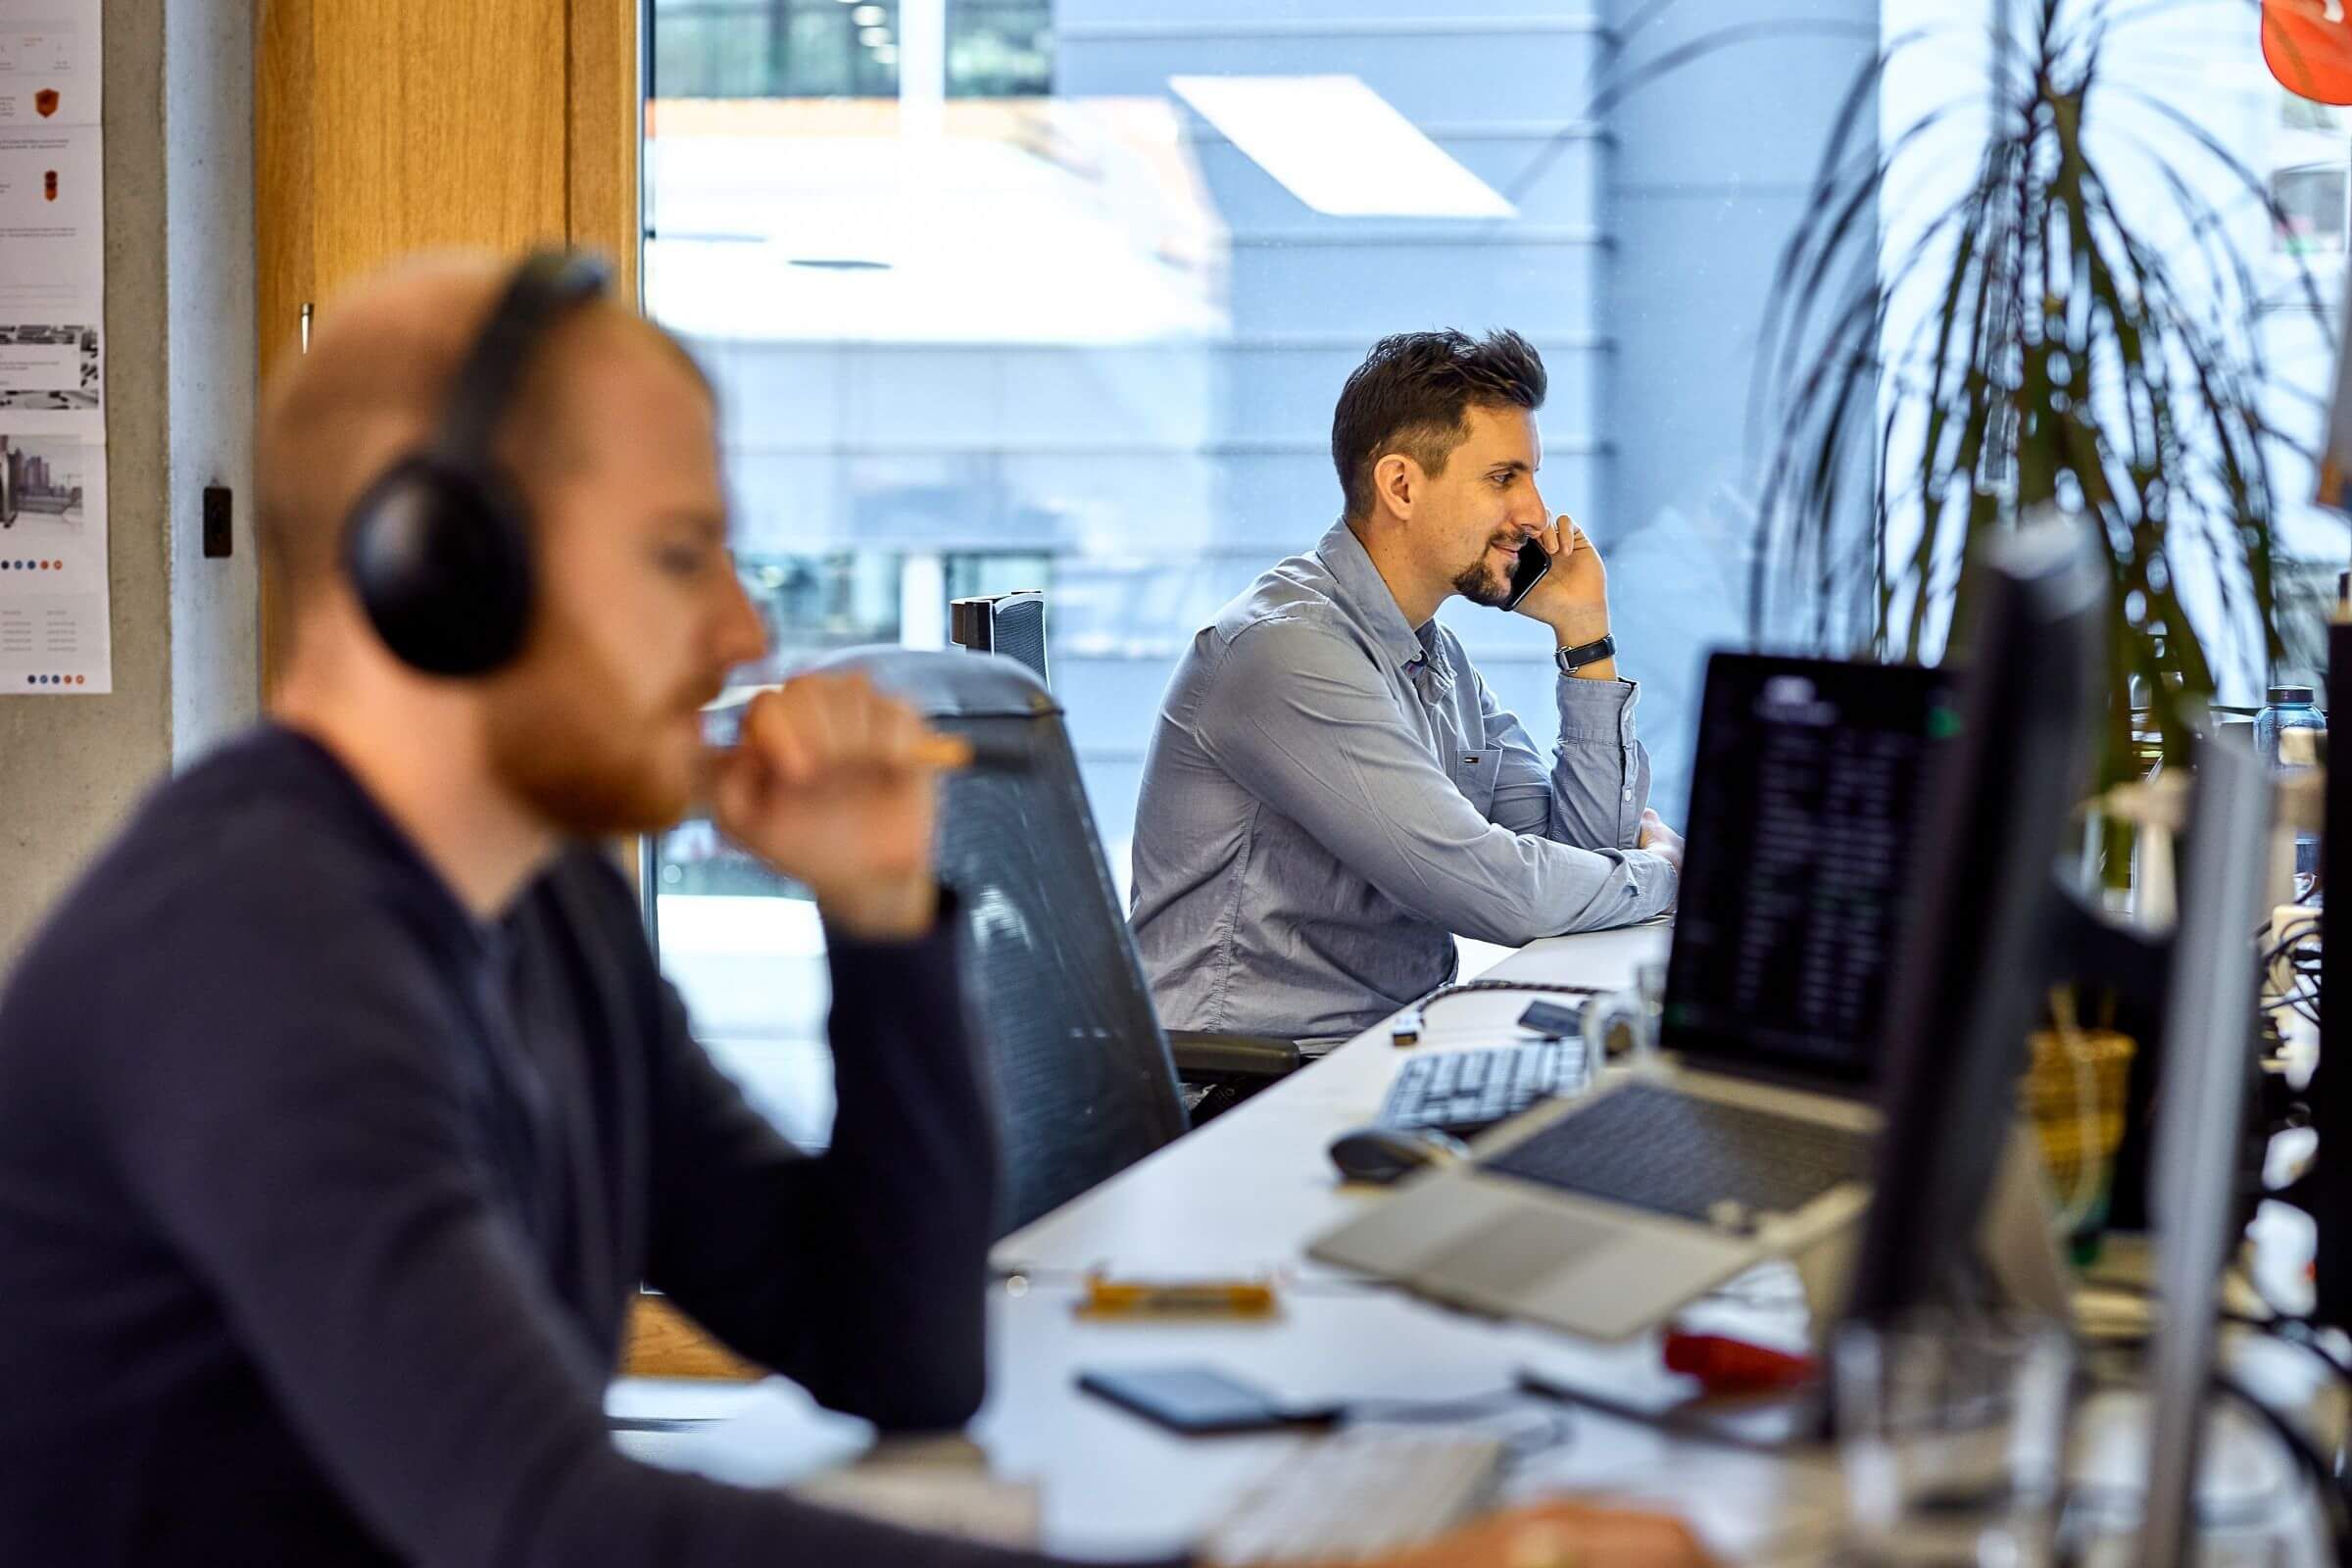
(1059, 294)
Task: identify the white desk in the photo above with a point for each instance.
(1245, 1196)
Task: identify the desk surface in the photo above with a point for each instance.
(1245, 1196)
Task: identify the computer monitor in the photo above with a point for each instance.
(2326, 1192)
(1974, 951)
(1807, 795)
(2208, 1056)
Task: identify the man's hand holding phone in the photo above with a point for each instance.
(1571, 596)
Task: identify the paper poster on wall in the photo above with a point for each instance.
(51, 367)
(49, 62)
(53, 588)
(52, 233)
(55, 627)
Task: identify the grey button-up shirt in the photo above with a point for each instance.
(1331, 795)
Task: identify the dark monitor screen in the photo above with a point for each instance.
(1806, 796)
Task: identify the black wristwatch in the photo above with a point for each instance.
(1572, 659)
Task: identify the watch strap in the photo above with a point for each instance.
(1572, 659)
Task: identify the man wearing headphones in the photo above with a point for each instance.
(342, 1106)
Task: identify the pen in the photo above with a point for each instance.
(1108, 1298)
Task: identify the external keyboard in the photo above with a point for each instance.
(1359, 1493)
(1652, 1147)
(1464, 1092)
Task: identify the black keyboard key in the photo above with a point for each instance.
(1463, 1092)
(1655, 1149)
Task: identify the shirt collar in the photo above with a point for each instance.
(1364, 594)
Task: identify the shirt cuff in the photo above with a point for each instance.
(1597, 711)
(1663, 887)
(845, 952)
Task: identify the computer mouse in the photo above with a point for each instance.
(1384, 1154)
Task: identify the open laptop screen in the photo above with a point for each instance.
(1806, 795)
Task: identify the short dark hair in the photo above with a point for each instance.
(1411, 393)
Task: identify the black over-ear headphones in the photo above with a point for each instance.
(439, 546)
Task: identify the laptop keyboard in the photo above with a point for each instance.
(1651, 1148)
(1463, 1092)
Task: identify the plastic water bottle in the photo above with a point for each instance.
(2291, 734)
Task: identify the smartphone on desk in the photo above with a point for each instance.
(1533, 562)
(1197, 1400)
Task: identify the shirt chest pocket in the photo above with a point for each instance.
(1473, 773)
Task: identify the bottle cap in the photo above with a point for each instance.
(2290, 694)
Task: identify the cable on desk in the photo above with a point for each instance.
(2295, 944)
(2333, 1490)
(2334, 1501)
(1408, 1031)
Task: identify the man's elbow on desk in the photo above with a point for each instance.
(1642, 885)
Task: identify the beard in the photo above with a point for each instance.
(1482, 582)
(566, 740)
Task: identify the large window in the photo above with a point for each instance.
(842, 48)
(1058, 294)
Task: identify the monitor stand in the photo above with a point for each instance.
(2019, 1268)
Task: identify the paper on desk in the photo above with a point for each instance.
(772, 1434)
(768, 1434)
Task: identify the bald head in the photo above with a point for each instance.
(383, 359)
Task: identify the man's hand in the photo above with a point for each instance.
(1659, 839)
(835, 785)
(1573, 599)
(1561, 1535)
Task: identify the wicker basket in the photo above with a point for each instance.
(2075, 1095)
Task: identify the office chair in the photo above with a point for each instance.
(1011, 624)
(1086, 1083)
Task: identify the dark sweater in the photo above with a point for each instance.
(321, 1204)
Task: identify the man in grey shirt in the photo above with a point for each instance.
(1332, 792)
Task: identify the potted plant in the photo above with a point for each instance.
(2021, 345)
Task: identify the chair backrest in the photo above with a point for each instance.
(1011, 624)
(1085, 1087)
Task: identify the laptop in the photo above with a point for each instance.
(1750, 1137)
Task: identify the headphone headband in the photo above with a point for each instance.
(548, 286)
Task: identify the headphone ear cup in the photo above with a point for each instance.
(440, 556)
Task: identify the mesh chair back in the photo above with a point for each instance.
(1083, 1079)
(1011, 624)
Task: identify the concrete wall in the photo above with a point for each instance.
(179, 367)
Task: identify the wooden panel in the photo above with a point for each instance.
(664, 1343)
(607, 99)
(436, 124)
(283, 165)
(384, 127)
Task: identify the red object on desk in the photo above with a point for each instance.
(1725, 1365)
(2308, 49)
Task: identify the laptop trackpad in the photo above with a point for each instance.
(1589, 1276)
(1516, 1250)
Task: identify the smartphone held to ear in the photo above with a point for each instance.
(1533, 562)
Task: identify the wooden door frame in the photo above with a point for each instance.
(603, 151)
